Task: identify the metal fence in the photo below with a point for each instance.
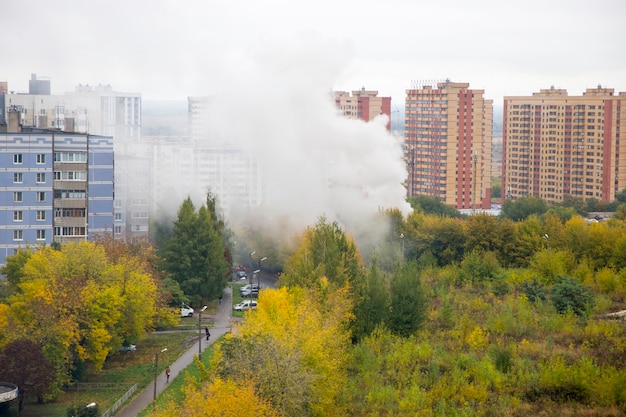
(118, 403)
(106, 386)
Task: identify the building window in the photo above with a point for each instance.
(69, 231)
(70, 157)
(118, 216)
(18, 177)
(41, 158)
(69, 212)
(41, 196)
(17, 158)
(18, 216)
(41, 234)
(41, 215)
(18, 235)
(18, 197)
(73, 194)
(70, 175)
(41, 177)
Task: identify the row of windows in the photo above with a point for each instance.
(70, 175)
(18, 177)
(69, 212)
(76, 194)
(18, 215)
(18, 158)
(19, 234)
(70, 157)
(69, 231)
(18, 196)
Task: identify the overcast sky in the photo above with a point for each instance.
(170, 49)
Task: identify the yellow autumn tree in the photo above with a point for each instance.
(294, 348)
(218, 399)
(79, 305)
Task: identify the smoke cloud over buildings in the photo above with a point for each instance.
(276, 103)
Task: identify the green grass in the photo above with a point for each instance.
(125, 368)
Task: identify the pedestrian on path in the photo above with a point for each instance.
(167, 374)
(206, 330)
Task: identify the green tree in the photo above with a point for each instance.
(523, 207)
(482, 233)
(576, 203)
(326, 252)
(408, 300)
(496, 187)
(194, 254)
(443, 237)
(372, 304)
(432, 205)
(13, 270)
(570, 295)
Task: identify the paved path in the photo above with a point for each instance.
(222, 325)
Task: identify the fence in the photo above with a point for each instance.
(106, 386)
(118, 403)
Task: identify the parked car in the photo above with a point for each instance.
(242, 275)
(186, 311)
(249, 290)
(246, 305)
(128, 348)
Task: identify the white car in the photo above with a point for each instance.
(245, 305)
(186, 311)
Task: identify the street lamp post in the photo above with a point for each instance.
(402, 239)
(259, 276)
(251, 260)
(156, 370)
(200, 331)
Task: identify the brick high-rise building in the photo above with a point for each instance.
(448, 144)
(362, 104)
(556, 145)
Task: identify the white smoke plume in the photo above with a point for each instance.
(277, 104)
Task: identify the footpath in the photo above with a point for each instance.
(222, 325)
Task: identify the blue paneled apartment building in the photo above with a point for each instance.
(55, 186)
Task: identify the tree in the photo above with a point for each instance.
(223, 398)
(294, 350)
(408, 300)
(570, 295)
(23, 363)
(194, 254)
(372, 304)
(326, 252)
(482, 233)
(443, 237)
(523, 207)
(79, 306)
(432, 205)
(14, 269)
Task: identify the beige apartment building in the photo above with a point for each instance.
(556, 145)
(447, 144)
(362, 104)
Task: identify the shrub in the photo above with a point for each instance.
(534, 290)
(502, 359)
(570, 295)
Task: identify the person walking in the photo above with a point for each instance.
(206, 331)
(167, 374)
